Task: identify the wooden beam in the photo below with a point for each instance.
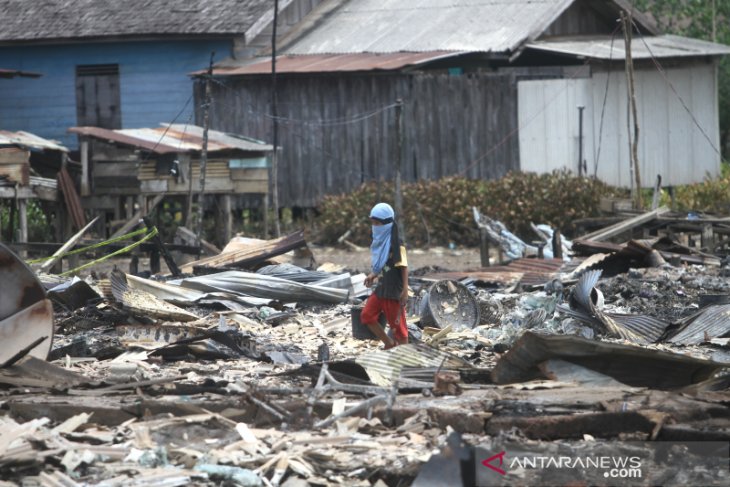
(253, 253)
(618, 228)
(47, 265)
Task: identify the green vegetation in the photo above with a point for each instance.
(39, 226)
(440, 212)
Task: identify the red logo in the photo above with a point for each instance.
(488, 462)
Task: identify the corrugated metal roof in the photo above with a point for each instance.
(386, 26)
(664, 46)
(71, 19)
(174, 139)
(321, 63)
(28, 140)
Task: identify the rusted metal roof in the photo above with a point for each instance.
(665, 46)
(12, 73)
(29, 141)
(328, 63)
(171, 139)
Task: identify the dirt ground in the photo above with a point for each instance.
(353, 260)
(437, 257)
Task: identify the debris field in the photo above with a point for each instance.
(251, 368)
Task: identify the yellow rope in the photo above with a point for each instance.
(94, 246)
(152, 233)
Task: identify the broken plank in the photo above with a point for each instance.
(625, 225)
(252, 254)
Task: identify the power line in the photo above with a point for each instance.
(679, 97)
(603, 107)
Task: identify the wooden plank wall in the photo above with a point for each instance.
(336, 134)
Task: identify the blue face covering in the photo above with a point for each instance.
(380, 248)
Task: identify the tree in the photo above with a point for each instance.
(701, 19)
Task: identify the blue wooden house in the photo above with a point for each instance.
(120, 64)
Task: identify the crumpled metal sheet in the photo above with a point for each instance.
(26, 316)
(146, 303)
(292, 272)
(256, 285)
(636, 328)
(384, 366)
(172, 292)
(628, 364)
(710, 322)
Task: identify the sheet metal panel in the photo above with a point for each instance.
(663, 46)
(347, 26)
(670, 142)
(175, 139)
(28, 140)
(328, 63)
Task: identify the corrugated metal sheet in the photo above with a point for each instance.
(664, 46)
(175, 139)
(347, 26)
(384, 366)
(631, 365)
(549, 128)
(329, 63)
(708, 323)
(12, 73)
(29, 141)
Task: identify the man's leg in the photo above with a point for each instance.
(369, 317)
(396, 316)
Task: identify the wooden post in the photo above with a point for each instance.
(266, 215)
(23, 225)
(85, 191)
(155, 261)
(128, 207)
(634, 143)
(483, 247)
(557, 245)
(225, 220)
(275, 125)
(399, 167)
(707, 238)
(204, 151)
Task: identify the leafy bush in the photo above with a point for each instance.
(440, 212)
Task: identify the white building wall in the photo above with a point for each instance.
(670, 142)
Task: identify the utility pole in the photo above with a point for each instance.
(204, 151)
(399, 165)
(275, 114)
(633, 143)
(580, 141)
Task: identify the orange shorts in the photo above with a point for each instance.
(394, 313)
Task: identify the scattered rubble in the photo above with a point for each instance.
(244, 369)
